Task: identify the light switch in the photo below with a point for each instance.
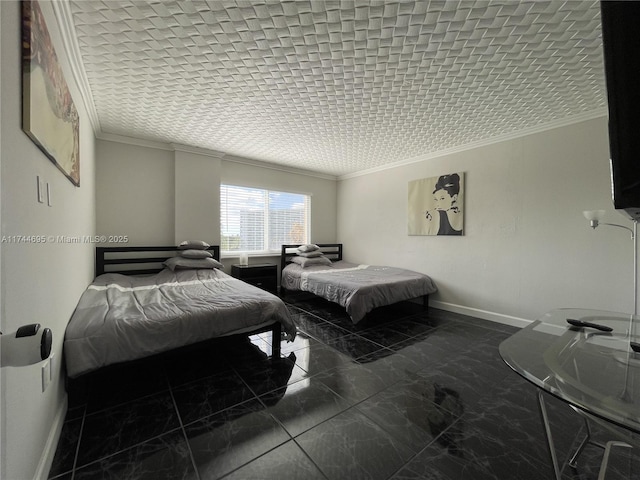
(40, 186)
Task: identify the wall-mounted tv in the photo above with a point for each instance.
(621, 43)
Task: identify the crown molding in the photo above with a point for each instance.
(177, 147)
(279, 167)
(591, 115)
(64, 19)
(138, 142)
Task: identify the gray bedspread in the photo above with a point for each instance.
(358, 288)
(121, 318)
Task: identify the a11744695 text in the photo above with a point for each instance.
(28, 239)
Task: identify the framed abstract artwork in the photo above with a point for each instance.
(49, 116)
(436, 205)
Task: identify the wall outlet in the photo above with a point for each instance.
(46, 375)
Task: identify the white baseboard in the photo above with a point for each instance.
(46, 460)
(483, 314)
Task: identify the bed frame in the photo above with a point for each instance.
(333, 251)
(148, 260)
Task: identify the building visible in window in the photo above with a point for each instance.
(260, 221)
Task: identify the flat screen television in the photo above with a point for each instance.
(621, 47)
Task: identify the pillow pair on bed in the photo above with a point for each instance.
(176, 263)
(193, 254)
(307, 261)
(310, 255)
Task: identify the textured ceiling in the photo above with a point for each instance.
(337, 87)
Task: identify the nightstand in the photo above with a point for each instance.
(262, 275)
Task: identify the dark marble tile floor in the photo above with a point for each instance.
(406, 394)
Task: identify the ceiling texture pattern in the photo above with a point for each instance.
(337, 87)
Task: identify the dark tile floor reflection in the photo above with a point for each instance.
(407, 394)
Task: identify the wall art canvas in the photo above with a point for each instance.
(436, 205)
(49, 116)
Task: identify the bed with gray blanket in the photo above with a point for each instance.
(356, 287)
(122, 317)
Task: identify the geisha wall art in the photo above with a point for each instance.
(436, 205)
(49, 116)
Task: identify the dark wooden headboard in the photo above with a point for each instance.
(333, 251)
(148, 259)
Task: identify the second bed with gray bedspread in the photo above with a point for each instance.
(358, 288)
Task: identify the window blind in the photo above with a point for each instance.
(260, 221)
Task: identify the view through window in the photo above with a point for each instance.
(260, 221)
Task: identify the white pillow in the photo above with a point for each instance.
(176, 263)
(195, 244)
(310, 247)
(305, 262)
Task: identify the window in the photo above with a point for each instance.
(260, 221)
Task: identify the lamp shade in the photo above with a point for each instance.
(592, 215)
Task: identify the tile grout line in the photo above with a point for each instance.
(184, 433)
(77, 452)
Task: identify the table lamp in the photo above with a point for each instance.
(595, 217)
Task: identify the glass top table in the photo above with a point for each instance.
(596, 372)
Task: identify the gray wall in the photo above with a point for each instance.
(41, 282)
(527, 247)
(135, 193)
(163, 195)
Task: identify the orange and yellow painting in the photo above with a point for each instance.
(49, 116)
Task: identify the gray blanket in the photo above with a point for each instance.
(121, 318)
(358, 288)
